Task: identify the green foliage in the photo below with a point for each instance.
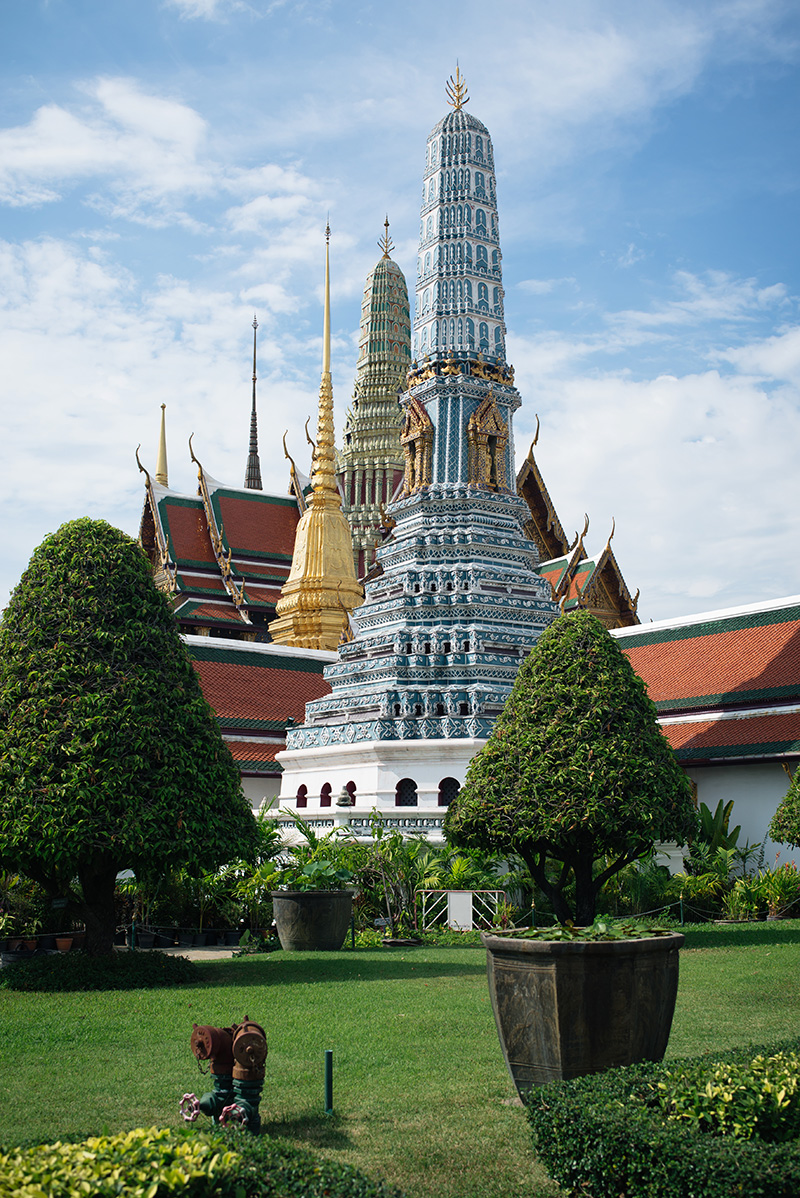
(79, 971)
(576, 769)
(607, 1135)
(603, 928)
(110, 756)
(784, 827)
(759, 1098)
(317, 862)
(153, 1163)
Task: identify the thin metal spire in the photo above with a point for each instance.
(252, 478)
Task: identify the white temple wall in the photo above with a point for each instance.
(756, 790)
(256, 790)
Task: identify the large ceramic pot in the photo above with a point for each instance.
(564, 1008)
(312, 919)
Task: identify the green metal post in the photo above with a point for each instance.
(328, 1081)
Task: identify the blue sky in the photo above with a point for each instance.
(166, 169)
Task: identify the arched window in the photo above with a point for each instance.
(467, 214)
(350, 787)
(325, 795)
(468, 291)
(498, 341)
(448, 790)
(470, 335)
(460, 332)
(483, 297)
(423, 341)
(481, 258)
(480, 220)
(468, 253)
(429, 227)
(483, 334)
(302, 796)
(461, 214)
(435, 333)
(452, 333)
(495, 260)
(478, 147)
(496, 296)
(428, 263)
(405, 794)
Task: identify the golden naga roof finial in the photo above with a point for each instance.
(385, 243)
(456, 90)
(611, 534)
(535, 440)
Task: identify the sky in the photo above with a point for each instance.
(166, 171)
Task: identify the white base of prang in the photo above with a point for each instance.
(375, 767)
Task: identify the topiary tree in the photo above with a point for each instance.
(576, 771)
(784, 827)
(110, 756)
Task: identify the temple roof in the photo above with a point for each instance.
(254, 689)
(228, 546)
(726, 683)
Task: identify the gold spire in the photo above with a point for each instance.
(456, 90)
(162, 476)
(385, 243)
(321, 589)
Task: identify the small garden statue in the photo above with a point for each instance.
(237, 1055)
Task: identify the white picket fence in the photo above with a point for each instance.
(461, 910)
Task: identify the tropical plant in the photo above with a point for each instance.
(316, 862)
(779, 888)
(110, 756)
(576, 770)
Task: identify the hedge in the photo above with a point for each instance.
(153, 1163)
(605, 1136)
(79, 971)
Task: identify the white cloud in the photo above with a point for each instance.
(712, 297)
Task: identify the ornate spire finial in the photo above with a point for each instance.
(456, 90)
(162, 476)
(385, 243)
(252, 475)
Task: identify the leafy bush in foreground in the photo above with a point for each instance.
(79, 971)
(758, 1098)
(153, 1163)
(605, 1135)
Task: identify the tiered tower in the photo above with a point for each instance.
(440, 636)
(370, 465)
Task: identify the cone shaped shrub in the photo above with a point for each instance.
(576, 770)
(784, 827)
(110, 756)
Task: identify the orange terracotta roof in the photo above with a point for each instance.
(185, 523)
(758, 735)
(265, 692)
(255, 758)
(718, 666)
(257, 523)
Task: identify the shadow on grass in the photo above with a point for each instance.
(318, 1131)
(280, 968)
(742, 935)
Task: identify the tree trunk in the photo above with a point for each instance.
(98, 879)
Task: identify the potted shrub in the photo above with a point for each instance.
(577, 780)
(312, 908)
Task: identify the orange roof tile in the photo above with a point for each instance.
(188, 531)
(258, 692)
(760, 735)
(734, 664)
(256, 525)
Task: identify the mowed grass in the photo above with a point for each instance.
(421, 1094)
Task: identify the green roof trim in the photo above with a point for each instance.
(243, 657)
(726, 698)
(760, 619)
(768, 748)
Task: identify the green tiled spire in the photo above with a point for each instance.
(370, 464)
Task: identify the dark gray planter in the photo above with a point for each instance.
(310, 920)
(566, 1008)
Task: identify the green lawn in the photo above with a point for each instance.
(421, 1095)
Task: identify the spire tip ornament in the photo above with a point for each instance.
(456, 89)
(385, 243)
